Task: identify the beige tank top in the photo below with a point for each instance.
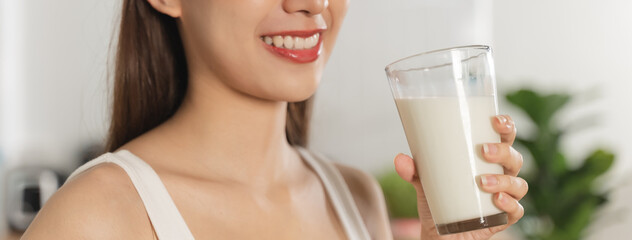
(169, 224)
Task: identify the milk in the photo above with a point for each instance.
(445, 135)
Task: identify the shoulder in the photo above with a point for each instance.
(101, 201)
(369, 199)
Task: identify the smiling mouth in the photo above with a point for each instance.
(292, 42)
(296, 46)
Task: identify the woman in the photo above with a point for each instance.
(212, 97)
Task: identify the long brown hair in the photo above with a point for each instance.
(151, 78)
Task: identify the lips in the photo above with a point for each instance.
(296, 46)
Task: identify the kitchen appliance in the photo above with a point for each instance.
(28, 188)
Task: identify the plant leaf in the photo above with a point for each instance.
(540, 109)
(597, 163)
(558, 196)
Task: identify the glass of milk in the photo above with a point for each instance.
(446, 100)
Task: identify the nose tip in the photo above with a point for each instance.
(308, 7)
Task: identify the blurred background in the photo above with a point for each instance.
(54, 86)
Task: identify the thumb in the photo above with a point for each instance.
(405, 167)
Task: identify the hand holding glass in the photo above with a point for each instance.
(446, 100)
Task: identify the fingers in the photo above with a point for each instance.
(514, 186)
(405, 167)
(504, 125)
(510, 205)
(508, 189)
(505, 155)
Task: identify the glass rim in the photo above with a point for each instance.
(482, 47)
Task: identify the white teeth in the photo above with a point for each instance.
(290, 42)
(299, 43)
(310, 42)
(278, 41)
(268, 40)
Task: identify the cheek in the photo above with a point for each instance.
(221, 41)
(334, 17)
(337, 11)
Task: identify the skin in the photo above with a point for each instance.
(224, 157)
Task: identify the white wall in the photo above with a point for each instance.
(583, 47)
(56, 71)
(355, 120)
(52, 81)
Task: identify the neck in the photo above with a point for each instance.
(230, 135)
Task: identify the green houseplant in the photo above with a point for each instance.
(401, 202)
(400, 196)
(561, 201)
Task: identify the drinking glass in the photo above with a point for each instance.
(446, 101)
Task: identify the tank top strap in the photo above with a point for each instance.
(339, 194)
(162, 211)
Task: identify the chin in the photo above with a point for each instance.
(296, 96)
(302, 94)
(299, 99)
(292, 93)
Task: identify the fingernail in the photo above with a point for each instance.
(490, 149)
(489, 180)
(501, 199)
(501, 119)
